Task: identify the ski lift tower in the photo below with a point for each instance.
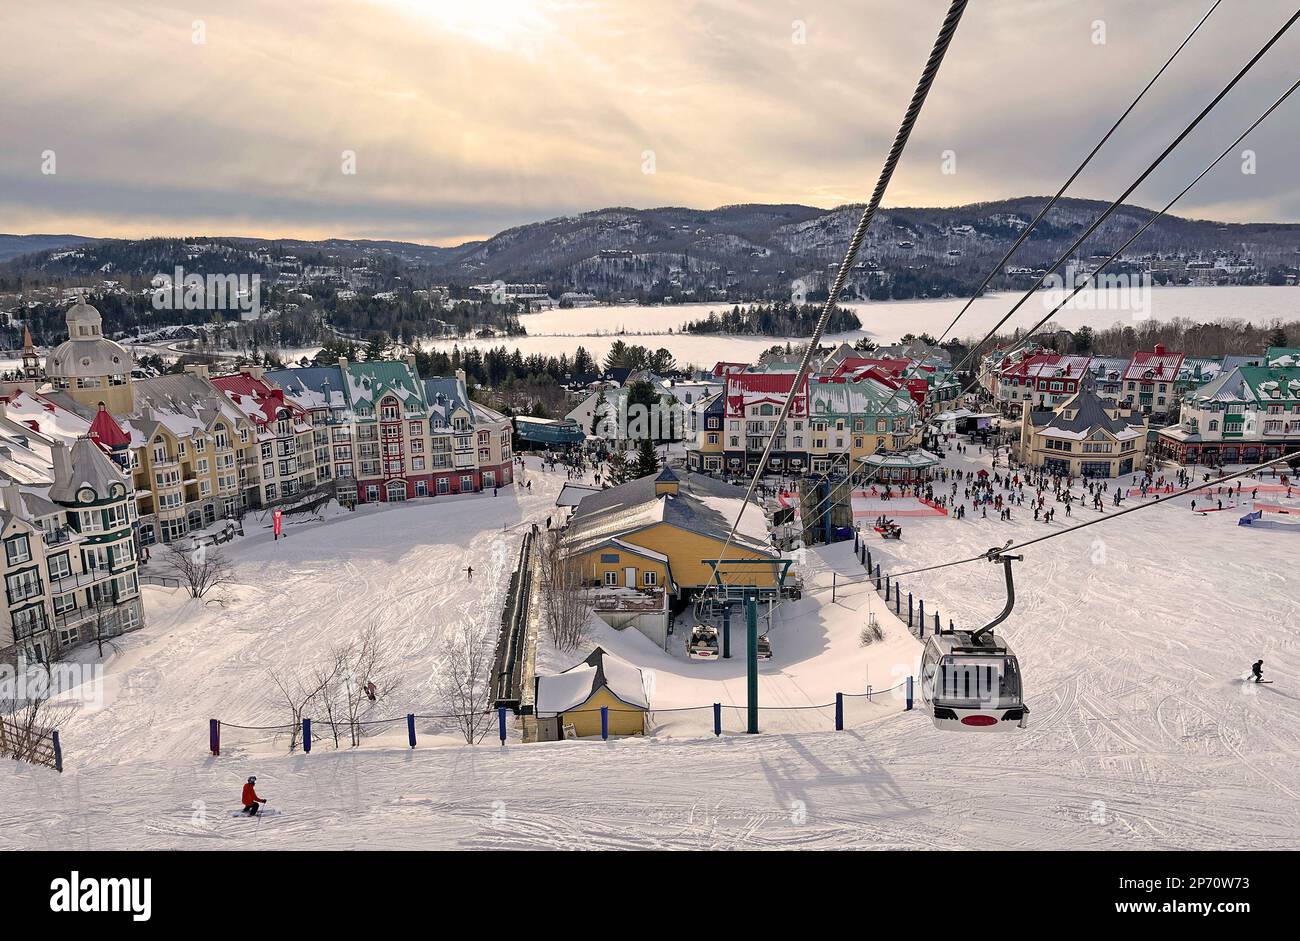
(747, 582)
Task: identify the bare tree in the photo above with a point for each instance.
(464, 684)
(373, 669)
(564, 603)
(28, 715)
(200, 568)
(297, 693)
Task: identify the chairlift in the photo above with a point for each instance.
(703, 642)
(970, 680)
(764, 647)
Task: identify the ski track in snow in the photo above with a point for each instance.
(1134, 638)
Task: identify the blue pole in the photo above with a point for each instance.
(717, 718)
(868, 561)
(898, 600)
(306, 735)
(501, 723)
(410, 728)
(604, 722)
(909, 694)
(58, 751)
(855, 540)
(214, 736)
(839, 712)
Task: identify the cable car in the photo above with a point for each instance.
(764, 647)
(972, 683)
(970, 680)
(703, 642)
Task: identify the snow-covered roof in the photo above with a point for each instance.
(561, 692)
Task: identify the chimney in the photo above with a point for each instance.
(343, 363)
(460, 374)
(62, 464)
(1160, 349)
(410, 361)
(197, 369)
(9, 497)
(253, 372)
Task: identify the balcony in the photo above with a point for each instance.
(58, 537)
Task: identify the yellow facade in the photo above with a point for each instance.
(608, 566)
(624, 719)
(687, 552)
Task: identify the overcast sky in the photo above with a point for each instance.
(469, 116)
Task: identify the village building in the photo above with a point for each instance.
(1248, 415)
(1149, 381)
(67, 523)
(854, 419)
(286, 441)
(752, 402)
(1085, 436)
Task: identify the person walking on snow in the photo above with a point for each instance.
(469, 573)
(1257, 670)
(252, 802)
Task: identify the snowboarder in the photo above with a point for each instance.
(251, 801)
(1257, 670)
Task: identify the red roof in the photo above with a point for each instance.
(1162, 366)
(267, 403)
(776, 384)
(107, 432)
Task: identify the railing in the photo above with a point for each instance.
(35, 745)
(509, 660)
(641, 601)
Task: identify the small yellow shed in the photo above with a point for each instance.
(573, 699)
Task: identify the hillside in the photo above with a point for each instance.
(744, 252)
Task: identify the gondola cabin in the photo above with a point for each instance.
(970, 682)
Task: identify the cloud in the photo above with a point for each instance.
(469, 117)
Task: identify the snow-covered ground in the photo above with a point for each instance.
(1134, 638)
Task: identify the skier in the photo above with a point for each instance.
(469, 573)
(251, 800)
(1257, 670)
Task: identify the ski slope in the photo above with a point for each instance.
(1134, 639)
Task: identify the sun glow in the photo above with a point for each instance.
(521, 26)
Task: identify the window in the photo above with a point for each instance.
(651, 579)
(18, 550)
(65, 603)
(466, 483)
(59, 565)
(611, 579)
(23, 585)
(443, 485)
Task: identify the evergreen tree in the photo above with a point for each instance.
(647, 459)
(616, 468)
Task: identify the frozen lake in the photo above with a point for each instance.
(596, 328)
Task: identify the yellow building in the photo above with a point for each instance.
(661, 534)
(568, 704)
(90, 367)
(1084, 437)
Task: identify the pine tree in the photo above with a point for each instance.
(647, 460)
(617, 470)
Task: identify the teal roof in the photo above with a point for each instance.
(369, 382)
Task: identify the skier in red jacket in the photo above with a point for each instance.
(250, 798)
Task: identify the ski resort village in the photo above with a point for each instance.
(1046, 601)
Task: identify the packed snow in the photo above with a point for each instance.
(1135, 639)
